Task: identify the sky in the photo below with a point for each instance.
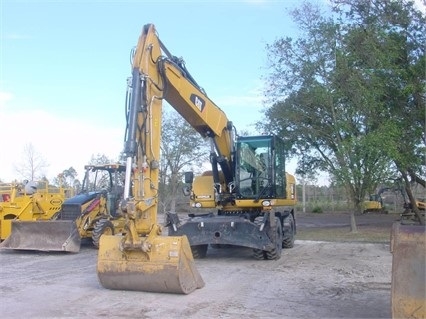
(64, 66)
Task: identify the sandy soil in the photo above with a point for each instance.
(311, 280)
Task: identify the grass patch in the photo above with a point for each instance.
(342, 234)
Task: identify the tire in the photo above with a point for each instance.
(289, 232)
(199, 251)
(275, 253)
(259, 254)
(102, 226)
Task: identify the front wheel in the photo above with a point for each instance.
(102, 226)
(275, 253)
(199, 251)
(289, 231)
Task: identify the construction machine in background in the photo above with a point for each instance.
(28, 201)
(247, 183)
(375, 202)
(88, 215)
(409, 216)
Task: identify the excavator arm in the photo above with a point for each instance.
(142, 259)
(156, 76)
(160, 75)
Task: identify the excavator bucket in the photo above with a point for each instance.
(169, 266)
(52, 235)
(408, 247)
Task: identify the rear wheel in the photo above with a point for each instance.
(199, 251)
(102, 226)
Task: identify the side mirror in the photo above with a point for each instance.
(189, 177)
(186, 190)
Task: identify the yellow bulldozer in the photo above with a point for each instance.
(28, 201)
(88, 215)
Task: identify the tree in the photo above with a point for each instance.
(181, 148)
(32, 165)
(100, 159)
(67, 178)
(386, 40)
(329, 89)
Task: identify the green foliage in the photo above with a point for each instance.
(100, 159)
(317, 210)
(182, 148)
(66, 178)
(348, 94)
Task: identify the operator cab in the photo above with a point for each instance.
(260, 167)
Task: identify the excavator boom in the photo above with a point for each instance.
(142, 259)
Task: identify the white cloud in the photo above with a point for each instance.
(246, 101)
(420, 5)
(61, 142)
(4, 98)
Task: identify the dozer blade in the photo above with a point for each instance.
(53, 235)
(169, 266)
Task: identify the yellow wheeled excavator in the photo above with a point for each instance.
(247, 183)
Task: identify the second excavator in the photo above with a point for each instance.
(247, 183)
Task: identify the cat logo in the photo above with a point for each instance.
(198, 102)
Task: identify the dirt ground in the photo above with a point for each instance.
(315, 279)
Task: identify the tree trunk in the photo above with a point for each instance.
(356, 208)
(173, 191)
(354, 228)
(411, 199)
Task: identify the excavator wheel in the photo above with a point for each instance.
(259, 254)
(288, 232)
(275, 253)
(102, 226)
(199, 251)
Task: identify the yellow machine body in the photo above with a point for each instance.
(88, 214)
(19, 204)
(371, 205)
(203, 192)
